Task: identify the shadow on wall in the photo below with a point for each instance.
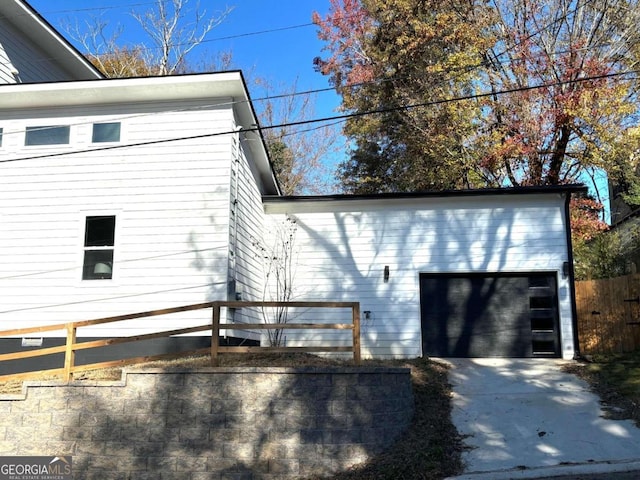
(411, 243)
(233, 422)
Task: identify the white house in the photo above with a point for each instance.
(126, 195)
(31, 50)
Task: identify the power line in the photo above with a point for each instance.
(150, 48)
(333, 118)
(187, 109)
(120, 261)
(290, 27)
(314, 91)
(541, 29)
(460, 70)
(133, 295)
(104, 7)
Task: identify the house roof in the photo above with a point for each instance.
(21, 15)
(228, 85)
(274, 202)
(128, 90)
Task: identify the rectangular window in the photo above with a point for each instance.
(106, 132)
(47, 135)
(99, 238)
(0, 136)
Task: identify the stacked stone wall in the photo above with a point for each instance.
(222, 423)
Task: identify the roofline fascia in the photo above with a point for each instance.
(546, 189)
(274, 176)
(53, 32)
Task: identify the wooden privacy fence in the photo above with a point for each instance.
(71, 345)
(608, 312)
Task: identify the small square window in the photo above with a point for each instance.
(99, 240)
(106, 132)
(47, 135)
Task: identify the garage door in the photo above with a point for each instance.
(489, 315)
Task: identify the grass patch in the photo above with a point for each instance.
(429, 449)
(616, 379)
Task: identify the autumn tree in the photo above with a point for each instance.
(122, 62)
(473, 94)
(401, 58)
(173, 28)
(600, 252)
(562, 101)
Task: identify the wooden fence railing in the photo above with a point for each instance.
(608, 312)
(71, 345)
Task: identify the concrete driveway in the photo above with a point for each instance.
(525, 418)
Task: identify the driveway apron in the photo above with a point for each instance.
(526, 413)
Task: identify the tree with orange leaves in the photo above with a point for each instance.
(387, 56)
(471, 93)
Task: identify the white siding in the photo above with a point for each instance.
(171, 205)
(7, 69)
(245, 235)
(20, 53)
(249, 233)
(344, 247)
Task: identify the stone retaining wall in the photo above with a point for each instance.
(223, 423)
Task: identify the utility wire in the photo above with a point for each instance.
(292, 27)
(453, 70)
(102, 7)
(332, 118)
(147, 48)
(120, 261)
(460, 70)
(541, 29)
(82, 302)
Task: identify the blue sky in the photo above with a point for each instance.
(283, 52)
(269, 39)
(279, 55)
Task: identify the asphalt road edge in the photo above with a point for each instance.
(591, 468)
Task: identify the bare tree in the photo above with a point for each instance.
(174, 29)
(279, 261)
(300, 154)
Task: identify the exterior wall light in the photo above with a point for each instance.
(565, 270)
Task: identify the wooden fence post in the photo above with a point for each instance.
(356, 333)
(70, 353)
(215, 334)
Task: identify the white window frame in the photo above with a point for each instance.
(103, 122)
(82, 221)
(44, 127)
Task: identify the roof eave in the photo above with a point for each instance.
(547, 189)
(32, 24)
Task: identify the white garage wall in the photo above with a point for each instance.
(342, 247)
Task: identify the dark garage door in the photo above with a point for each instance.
(489, 315)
